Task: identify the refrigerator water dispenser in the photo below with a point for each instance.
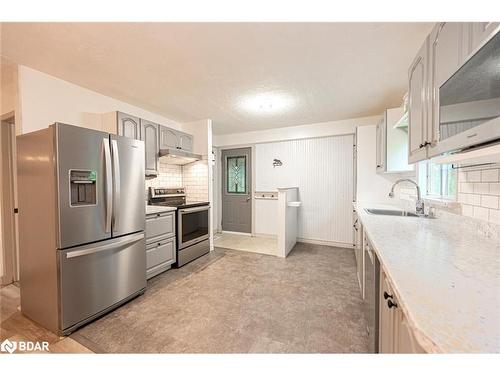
(82, 188)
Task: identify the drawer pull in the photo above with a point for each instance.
(391, 304)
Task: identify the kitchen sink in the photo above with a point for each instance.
(377, 211)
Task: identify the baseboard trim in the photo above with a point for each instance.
(240, 233)
(266, 235)
(326, 243)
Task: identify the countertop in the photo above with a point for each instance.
(157, 209)
(446, 276)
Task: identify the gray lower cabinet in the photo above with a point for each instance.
(160, 242)
(149, 134)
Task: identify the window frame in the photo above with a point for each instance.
(227, 174)
(425, 181)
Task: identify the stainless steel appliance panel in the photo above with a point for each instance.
(128, 185)
(192, 252)
(80, 149)
(469, 101)
(97, 276)
(193, 225)
(372, 281)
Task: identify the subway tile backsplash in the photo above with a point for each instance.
(193, 177)
(479, 193)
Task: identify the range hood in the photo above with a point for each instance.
(178, 157)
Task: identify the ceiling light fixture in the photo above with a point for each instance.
(266, 103)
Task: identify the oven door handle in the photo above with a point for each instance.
(194, 209)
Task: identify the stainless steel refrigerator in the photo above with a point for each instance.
(81, 224)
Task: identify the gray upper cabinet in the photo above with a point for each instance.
(149, 134)
(185, 142)
(129, 126)
(170, 138)
(418, 94)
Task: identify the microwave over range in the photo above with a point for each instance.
(469, 102)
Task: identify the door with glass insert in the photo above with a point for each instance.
(237, 190)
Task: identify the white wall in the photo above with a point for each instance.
(45, 99)
(322, 129)
(370, 186)
(322, 169)
(198, 177)
(8, 86)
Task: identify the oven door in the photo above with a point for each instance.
(193, 226)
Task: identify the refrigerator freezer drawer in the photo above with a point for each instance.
(95, 277)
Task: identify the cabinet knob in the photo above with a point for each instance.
(387, 295)
(391, 304)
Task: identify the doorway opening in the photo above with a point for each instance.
(8, 239)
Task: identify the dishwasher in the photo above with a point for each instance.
(371, 302)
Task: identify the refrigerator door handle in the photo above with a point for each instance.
(108, 184)
(97, 249)
(116, 184)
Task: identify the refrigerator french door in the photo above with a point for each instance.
(101, 185)
(89, 254)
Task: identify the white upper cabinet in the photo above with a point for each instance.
(480, 32)
(381, 144)
(392, 142)
(447, 53)
(446, 50)
(418, 94)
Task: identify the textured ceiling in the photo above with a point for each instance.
(190, 71)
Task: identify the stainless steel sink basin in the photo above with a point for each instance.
(377, 211)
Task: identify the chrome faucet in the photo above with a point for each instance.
(419, 209)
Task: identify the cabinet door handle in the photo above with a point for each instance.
(391, 304)
(387, 295)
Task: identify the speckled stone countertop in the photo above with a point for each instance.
(446, 277)
(157, 209)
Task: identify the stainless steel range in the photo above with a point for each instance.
(192, 224)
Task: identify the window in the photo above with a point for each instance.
(438, 180)
(236, 174)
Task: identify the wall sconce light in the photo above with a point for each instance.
(277, 163)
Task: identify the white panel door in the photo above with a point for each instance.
(322, 169)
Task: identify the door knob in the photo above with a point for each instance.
(248, 198)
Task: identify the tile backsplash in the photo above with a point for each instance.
(194, 177)
(479, 193)
(195, 180)
(169, 176)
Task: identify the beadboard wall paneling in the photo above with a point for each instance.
(322, 169)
